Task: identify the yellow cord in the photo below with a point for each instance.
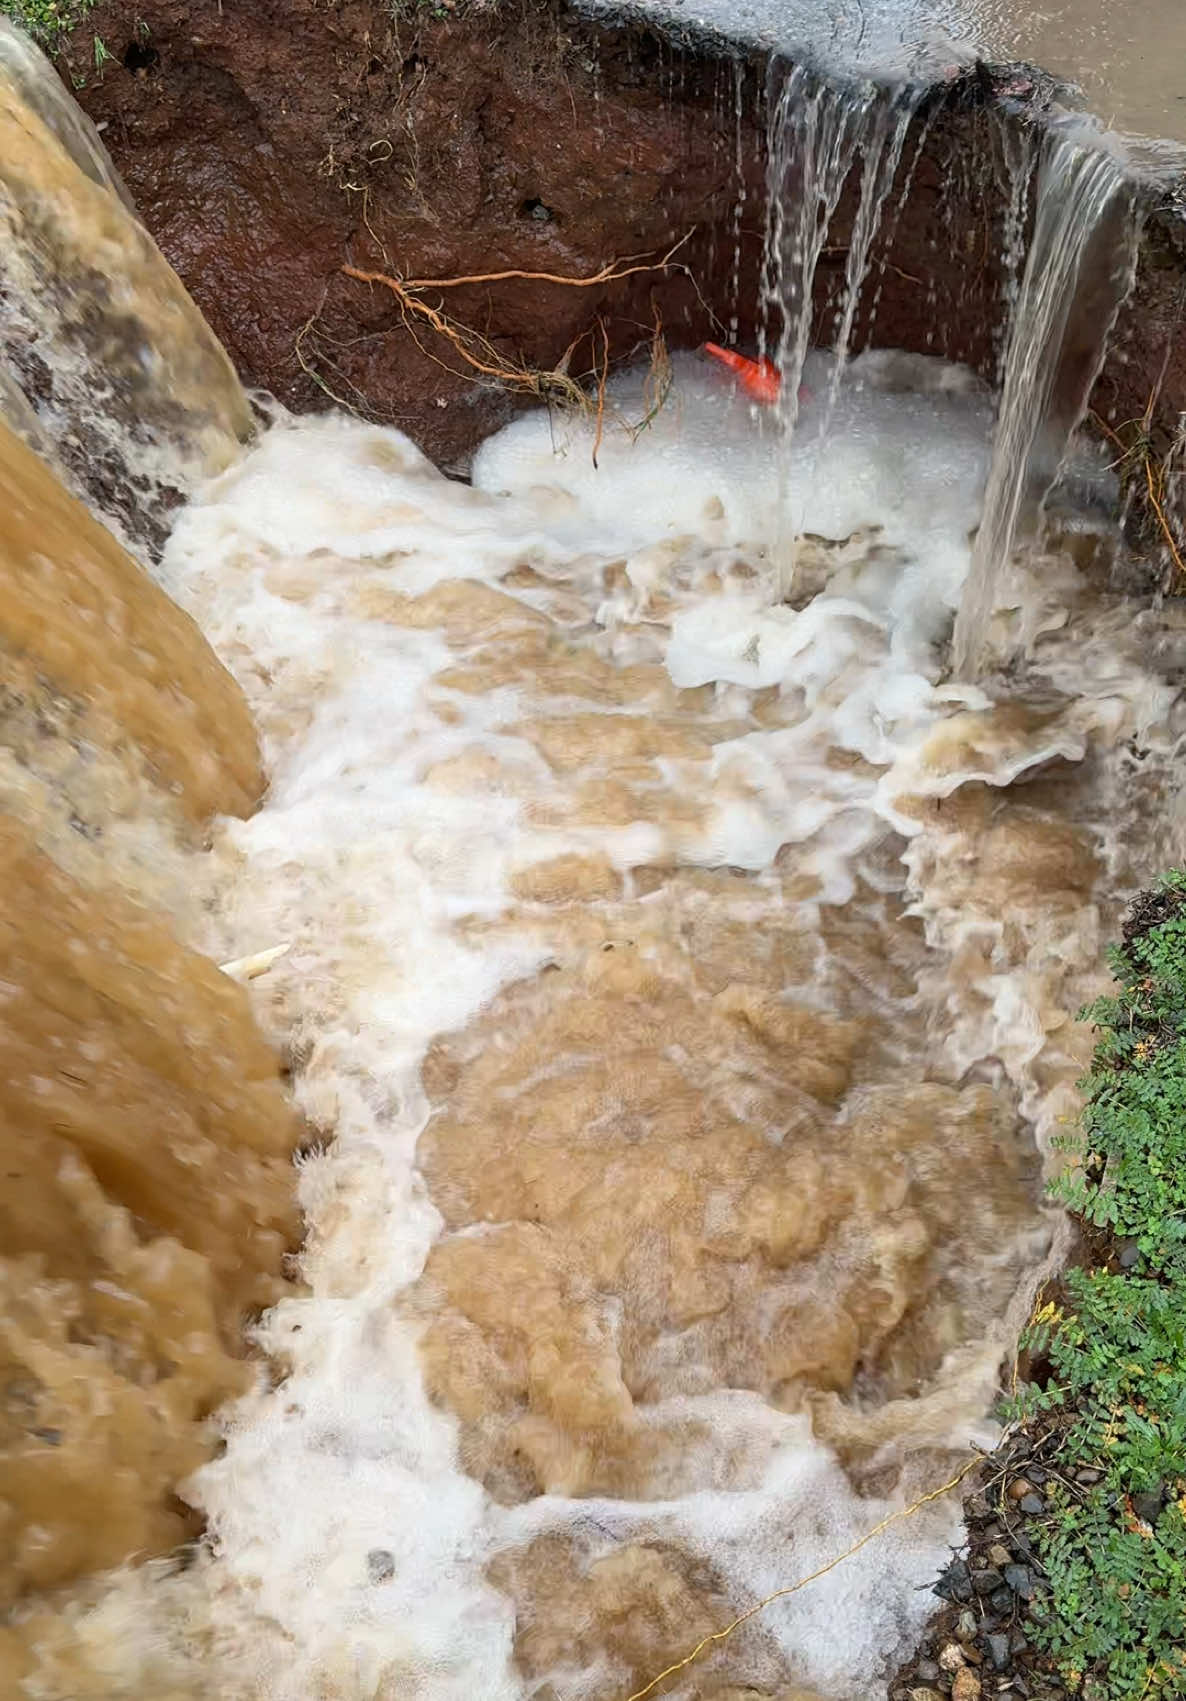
(793, 1588)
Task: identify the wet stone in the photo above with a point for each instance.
(1031, 1505)
(998, 1649)
(984, 1582)
(1019, 1580)
(1001, 1600)
(955, 1584)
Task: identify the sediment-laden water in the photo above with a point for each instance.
(673, 960)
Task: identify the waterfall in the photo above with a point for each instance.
(1078, 270)
(114, 359)
(821, 132)
(144, 1131)
(680, 991)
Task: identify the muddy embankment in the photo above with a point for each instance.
(269, 146)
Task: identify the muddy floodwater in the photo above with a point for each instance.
(1128, 61)
(547, 905)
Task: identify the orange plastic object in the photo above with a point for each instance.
(760, 379)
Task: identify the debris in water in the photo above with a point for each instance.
(258, 963)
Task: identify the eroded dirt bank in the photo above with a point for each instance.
(268, 146)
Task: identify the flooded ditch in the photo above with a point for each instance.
(656, 840)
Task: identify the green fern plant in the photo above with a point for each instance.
(1114, 1617)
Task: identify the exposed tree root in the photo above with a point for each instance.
(1143, 472)
(556, 384)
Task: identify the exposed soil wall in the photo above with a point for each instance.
(268, 145)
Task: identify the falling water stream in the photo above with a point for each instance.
(1078, 271)
(675, 973)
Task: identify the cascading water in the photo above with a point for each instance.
(121, 371)
(678, 989)
(822, 134)
(1078, 270)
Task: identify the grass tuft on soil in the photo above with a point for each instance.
(45, 20)
(1110, 1410)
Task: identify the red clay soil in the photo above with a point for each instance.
(269, 144)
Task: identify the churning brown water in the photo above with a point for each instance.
(676, 978)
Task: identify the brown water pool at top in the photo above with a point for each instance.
(684, 983)
(1129, 61)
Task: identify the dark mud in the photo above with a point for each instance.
(269, 145)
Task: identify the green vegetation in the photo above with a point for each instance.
(46, 20)
(1114, 1549)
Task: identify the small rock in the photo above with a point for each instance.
(1128, 1255)
(998, 1649)
(966, 1626)
(380, 1565)
(966, 1686)
(1148, 1506)
(1088, 1477)
(955, 1584)
(951, 1658)
(976, 1507)
(925, 1694)
(1001, 1600)
(1031, 1505)
(1019, 1580)
(973, 1655)
(1018, 1643)
(984, 1582)
(998, 1555)
(928, 1670)
(1019, 1488)
(1038, 1476)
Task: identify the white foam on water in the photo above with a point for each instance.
(367, 867)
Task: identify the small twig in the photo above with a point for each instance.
(1139, 452)
(1155, 504)
(602, 375)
